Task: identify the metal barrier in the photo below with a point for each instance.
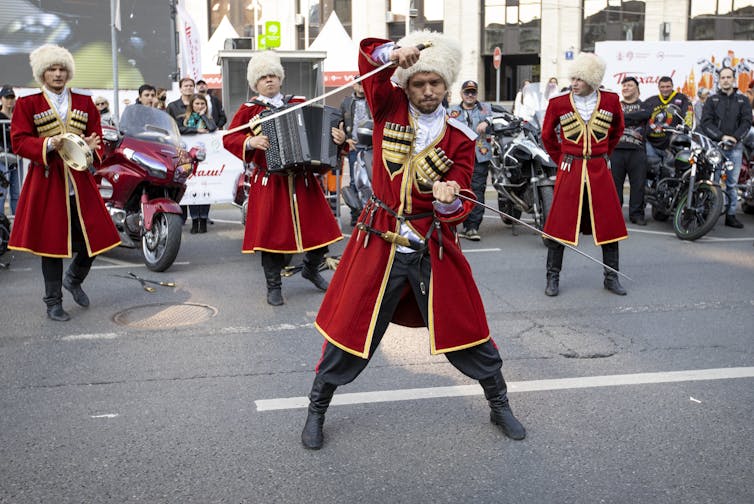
(7, 158)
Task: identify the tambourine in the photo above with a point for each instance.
(75, 152)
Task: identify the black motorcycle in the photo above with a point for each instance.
(682, 184)
(746, 179)
(523, 173)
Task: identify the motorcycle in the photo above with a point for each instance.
(4, 222)
(356, 194)
(142, 178)
(746, 179)
(682, 184)
(523, 173)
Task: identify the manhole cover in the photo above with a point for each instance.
(165, 315)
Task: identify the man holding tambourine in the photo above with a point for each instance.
(60, 209)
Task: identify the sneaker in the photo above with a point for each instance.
(731, 221)
(471, 234)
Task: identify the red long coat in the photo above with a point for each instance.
(43, 217)
(349, 310)
(286, 213)
(593, 140)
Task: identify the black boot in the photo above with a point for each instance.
(554, 264)
(54, 301)
(311, 270)
(194, 226)
(319, 399)
(610, 258)
(496, 393)
(203, 225)
(72, 281)
(274, 287)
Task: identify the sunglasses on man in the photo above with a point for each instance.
(470, 92)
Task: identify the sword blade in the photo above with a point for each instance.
(546, 235)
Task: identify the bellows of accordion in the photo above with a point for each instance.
(301, 138)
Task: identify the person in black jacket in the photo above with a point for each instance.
(355, 112)
(726, 117)
(629, 157)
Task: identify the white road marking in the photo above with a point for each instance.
(527, 386)
(469, 251)
(227, 221)
(106, 415)
(123, 264)
(93, 336)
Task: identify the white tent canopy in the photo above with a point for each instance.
(341, 63)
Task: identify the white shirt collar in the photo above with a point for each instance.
(275, 101)
(428, 126)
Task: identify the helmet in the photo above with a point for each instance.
(682, 159)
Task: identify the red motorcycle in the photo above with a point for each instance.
(142, 178)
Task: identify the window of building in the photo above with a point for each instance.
(721, 19)
(514, 25)
(611, 20)
(425, 15)
(316, 14)
(240, 14)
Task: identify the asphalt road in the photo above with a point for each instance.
(153, 397)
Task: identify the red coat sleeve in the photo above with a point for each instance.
(235, 143)
(549, 133)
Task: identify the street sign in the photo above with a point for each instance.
(497, 57)
(272, 33)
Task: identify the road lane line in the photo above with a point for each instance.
(93, 336)
(527, 386)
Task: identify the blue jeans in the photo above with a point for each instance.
(735, 156)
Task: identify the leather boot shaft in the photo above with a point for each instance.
(501, 414)
(72, 281)
(610, 256)
(554, 265)
(54, 300)
(312, 436)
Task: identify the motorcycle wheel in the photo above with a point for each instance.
(545, 203)
(505, 205)
(706, 206)
(160, 245)
(659, 215)
(4, 233)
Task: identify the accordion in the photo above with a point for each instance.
(300, 139)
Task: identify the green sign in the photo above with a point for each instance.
(272, 33)
(261, 41)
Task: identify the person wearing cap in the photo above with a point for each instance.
(8, 162)
(580, 130)
(60, 210)
(214, 105)
(629, 157)
(355, 113)
(475, 113)
(404, 264)
(287, 213)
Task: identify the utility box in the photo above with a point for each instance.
(303, 75)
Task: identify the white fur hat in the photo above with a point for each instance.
(443, 57)
(43, 57)
(261, 64)
(588, 67)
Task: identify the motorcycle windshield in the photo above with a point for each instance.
(534, 104)
(151, 124)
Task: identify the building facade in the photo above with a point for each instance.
(537, 37)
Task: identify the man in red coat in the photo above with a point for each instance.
(581, 128)
(60, 209)
(287, 213)
(404, 263)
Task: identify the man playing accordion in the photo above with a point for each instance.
(287, 212)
